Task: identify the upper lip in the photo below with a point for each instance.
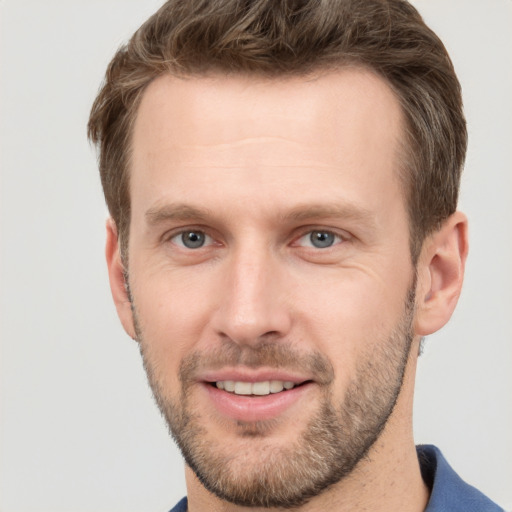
(251, 375)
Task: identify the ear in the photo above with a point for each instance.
(118, 285)
(440, 274)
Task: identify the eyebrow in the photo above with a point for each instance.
(176, 211)
(300, 213)
(345, 211)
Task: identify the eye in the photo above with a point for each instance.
(191, 239)
(319, 239)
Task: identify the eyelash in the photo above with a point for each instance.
(337, 238)
(174, 235)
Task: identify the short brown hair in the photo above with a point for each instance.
(290, 37)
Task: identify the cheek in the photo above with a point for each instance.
(172, 315)
(349, 313)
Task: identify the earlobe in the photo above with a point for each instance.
(117, 277)
(440, 274)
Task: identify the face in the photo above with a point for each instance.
(270, 275)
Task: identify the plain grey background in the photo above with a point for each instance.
(79, 430)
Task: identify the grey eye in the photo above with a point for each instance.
(322, 239)
(192, 239)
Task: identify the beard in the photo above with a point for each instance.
(333, 441)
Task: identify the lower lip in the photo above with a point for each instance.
(255, 408)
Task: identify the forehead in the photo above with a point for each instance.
(317, 109)
(244, 129)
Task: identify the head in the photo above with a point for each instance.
(282, 179)
(278, 39)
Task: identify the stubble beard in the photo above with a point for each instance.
(334, 440)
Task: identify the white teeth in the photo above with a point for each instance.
(261, 388)
(229, 385)
(254, 388)
(276, 386)
(243, 388)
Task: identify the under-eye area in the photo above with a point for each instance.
(261, 388)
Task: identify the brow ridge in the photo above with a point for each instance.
(183, 212)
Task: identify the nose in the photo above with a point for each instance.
(252, 304)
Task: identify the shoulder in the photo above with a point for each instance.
(181, 506)
(448, 491)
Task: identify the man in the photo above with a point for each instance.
(282, 179)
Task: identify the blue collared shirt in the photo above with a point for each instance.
(449, 493)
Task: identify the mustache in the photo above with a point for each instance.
(276, 355)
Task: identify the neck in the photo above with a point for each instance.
(386, 480)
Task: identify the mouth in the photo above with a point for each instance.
(260, 388)
(249, 399)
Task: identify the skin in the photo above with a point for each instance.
(257, 164)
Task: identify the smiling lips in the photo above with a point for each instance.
(255, 400)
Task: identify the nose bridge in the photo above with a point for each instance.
(252, 304)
